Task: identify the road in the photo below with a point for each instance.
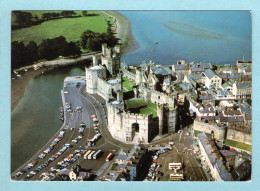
(77, 97)
(182, 152)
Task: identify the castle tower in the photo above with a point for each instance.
(171, 120)
(95, 60)
(111, 59)
(138, 76)
(120, 90)
(160, 116)
(104, 48)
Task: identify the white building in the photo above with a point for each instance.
(242, 90)
(212, 80)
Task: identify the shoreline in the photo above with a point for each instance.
(123, 31)
(18, 85)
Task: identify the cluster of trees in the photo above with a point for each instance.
(92, 41)
(24, 19)
(67, 13)
(22, 55)
(47, 16)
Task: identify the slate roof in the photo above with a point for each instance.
(245, 110)
(227, 84)
(206, 97)
(181, 67)
(227, 153)
(207, 147)
(232, 112)
(195, 69)
(244, 85)
(186, 86)
(196, 76)
(209, 73)
(223, 173)
(161, 71)
(248, 69)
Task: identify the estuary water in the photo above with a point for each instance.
(164, 37)
(220, 37)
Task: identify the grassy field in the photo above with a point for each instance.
(39, 14)
(128, 84)
(196, 133)
(145, 108)
(238, 145)
(71, 28)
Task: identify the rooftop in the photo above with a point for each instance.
(209, 73)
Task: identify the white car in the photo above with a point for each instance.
(66, 92)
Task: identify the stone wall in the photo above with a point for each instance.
(162, 98)
(219, 132)
(103, 88)
(120, 125)
(239, 136)
(128, 74)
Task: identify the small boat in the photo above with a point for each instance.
(157, 43)
(152, 50)
(61, 114)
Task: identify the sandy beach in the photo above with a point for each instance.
(122, 30)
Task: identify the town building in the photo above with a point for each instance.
(212, 159)
(242, 90)
(212, 80)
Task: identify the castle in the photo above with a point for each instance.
(105, 79)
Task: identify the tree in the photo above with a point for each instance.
(214, 67)
(235, 107)
(23, 18)
(31, 53)
(67, 13)
(84, 13)
(17, 53)
(97, 40)
(249, 101)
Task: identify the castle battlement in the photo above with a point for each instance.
(138, 115)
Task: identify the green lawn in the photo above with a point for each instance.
(145, 108)
(238, 145)
(196, 133)
(71, 28)
(128, 84)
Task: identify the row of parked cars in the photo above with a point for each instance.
(41, 156)
(50, 160)
(54, 142)
(154, 174)
(63, 164)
